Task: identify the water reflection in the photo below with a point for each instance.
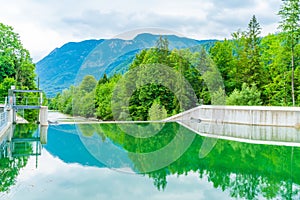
(16, 145)
(245, 170)
(64, 143)
(75, 159)
(277, 135)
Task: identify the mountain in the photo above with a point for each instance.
(57, 70)
(64, 143)
(68, 143)
(67, 65)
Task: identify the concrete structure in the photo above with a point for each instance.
(247, 115)
(15, 105)
(272, 135)
(8, 111)
(43, 116)
(251, 124)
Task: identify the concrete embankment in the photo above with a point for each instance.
(6, 121)
(251, 124)
(247, 115)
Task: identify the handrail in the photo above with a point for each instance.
(3, 119)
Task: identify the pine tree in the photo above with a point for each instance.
(254, 69)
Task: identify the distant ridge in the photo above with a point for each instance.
(67, 65)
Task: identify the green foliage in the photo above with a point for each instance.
(15, 60)
(63, 102)
(290, 24)
(5, 86)
(275, 58)
(224, 59)
(88, 84)
(16, 67)
(157, 112)
(10, 166)
(103, 97)
(248, 96)
(242, 170)
(290, 17)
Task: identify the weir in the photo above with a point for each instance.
(251, 124)
(244, 115)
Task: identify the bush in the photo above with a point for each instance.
(248, 96)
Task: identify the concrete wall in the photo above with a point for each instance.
(43, 117)
(248, 115)
(275, 135)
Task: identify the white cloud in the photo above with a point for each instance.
(44, 25)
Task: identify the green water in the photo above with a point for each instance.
(144, 161)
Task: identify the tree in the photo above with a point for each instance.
(162, 50)
(88, 84)
(15, 60)
(157, 112)
(275, 59)
(6, 85)
(240, 58)
(254, 69)
(103, 97)
(222, 56)
(248, 96)
(290, 23)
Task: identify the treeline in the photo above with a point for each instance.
(16, 68)
(246, 69)
(145, 88)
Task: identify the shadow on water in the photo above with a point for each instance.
(16, 146)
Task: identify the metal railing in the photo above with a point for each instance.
(3, 119)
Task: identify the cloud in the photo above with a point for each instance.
(44, 25)
(233, 4)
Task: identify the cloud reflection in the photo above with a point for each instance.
(54, 179)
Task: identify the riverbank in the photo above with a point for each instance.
(56, 117)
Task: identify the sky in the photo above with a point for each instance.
(47, 24)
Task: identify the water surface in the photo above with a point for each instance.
(143, 161)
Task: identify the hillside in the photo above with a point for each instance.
(57, 70)
(69, 64)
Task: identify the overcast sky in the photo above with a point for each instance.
(46, 24)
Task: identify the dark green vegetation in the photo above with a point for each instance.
(254, 70)
(246, 171)
(16, 67)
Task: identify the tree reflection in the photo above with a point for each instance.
(14, 156)
(247, 171)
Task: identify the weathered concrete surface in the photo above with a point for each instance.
(249, 115)
(251, 124)
(275, 135)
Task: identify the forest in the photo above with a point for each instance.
(246, 69)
